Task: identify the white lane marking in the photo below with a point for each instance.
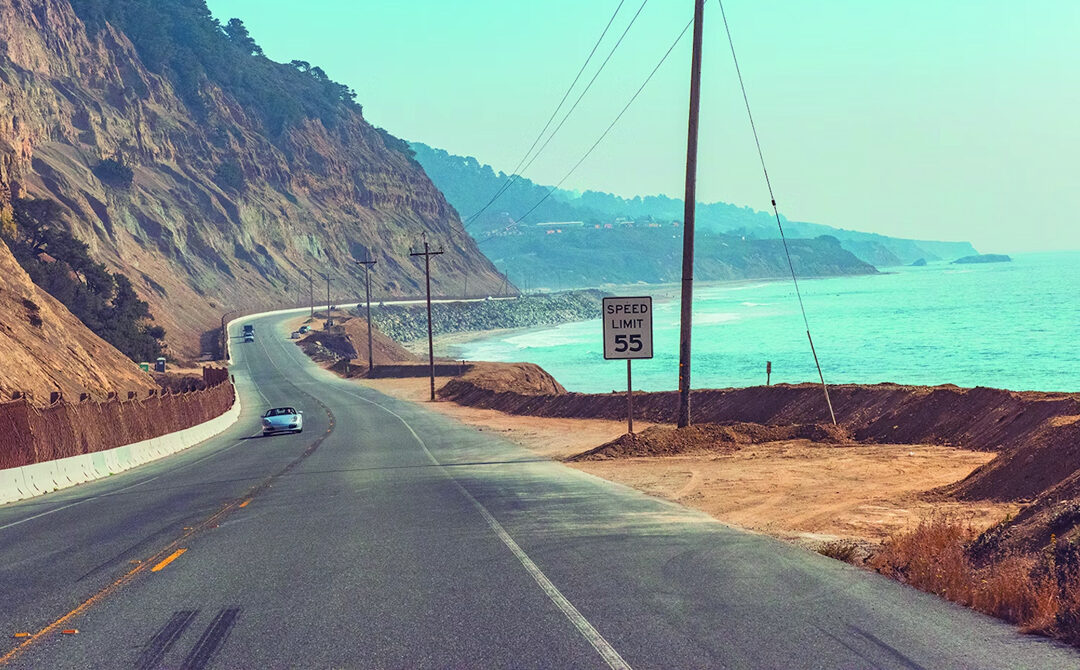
(121, 490)
(587, 630)
(247, 366)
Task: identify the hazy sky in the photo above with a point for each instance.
(945, 119)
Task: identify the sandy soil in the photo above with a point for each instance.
(795, 490)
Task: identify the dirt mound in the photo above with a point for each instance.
(714, 438)
(45, 348)
(1037, 434)
(1054, 515)
(346, 341)
(384, 349)
(1043, 459)
(511, 380)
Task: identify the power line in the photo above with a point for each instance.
(587, 87)
(776, 211)
(519, 169)
(611, 125)
(514, 173)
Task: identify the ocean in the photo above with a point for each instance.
(1006, 325)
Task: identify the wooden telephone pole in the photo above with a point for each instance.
(689, 204)
(367, 292)
(427, 253)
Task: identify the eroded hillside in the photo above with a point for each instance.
(45, 348)
(222, 209)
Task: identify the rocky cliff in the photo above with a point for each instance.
(45, 348)
(223, 208)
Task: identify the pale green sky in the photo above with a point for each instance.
(947, 119)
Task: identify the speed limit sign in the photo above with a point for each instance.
(628, 328)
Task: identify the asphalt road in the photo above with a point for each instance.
(388, 536)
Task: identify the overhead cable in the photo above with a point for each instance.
(776, 211)
(514, 174)
(611, 125)
(524, 168)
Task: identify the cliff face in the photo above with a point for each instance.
(45, 348)
(221, 213)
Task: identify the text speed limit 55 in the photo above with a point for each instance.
(628, 328)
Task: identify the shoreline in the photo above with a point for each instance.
(449, 345)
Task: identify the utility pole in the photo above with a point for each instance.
(689, 205)
(367, 292)
(427, 253)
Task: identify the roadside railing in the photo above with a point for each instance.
(31, 434)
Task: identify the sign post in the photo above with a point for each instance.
(628, 334)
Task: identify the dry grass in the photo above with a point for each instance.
(841, 550)
(1040, 592)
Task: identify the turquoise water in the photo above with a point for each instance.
(1007, 325)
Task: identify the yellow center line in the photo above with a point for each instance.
(172, 557)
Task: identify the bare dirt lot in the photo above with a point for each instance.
(795, 489)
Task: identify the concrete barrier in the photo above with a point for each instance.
(41, 478)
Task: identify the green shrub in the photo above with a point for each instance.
(60, 264)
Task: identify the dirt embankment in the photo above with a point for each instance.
(1036, 436)
(711, 438)
(347, 341)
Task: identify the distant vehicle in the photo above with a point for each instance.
(295, 335)
(304, 329)
(249, 329)
(249, 337)
(282, 420)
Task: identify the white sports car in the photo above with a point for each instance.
(282, 420)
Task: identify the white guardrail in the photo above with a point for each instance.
(41, 478)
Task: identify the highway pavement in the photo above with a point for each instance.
(389, 536)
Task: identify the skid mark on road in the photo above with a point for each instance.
(586, 629)
(165, 638)
(211, 640)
